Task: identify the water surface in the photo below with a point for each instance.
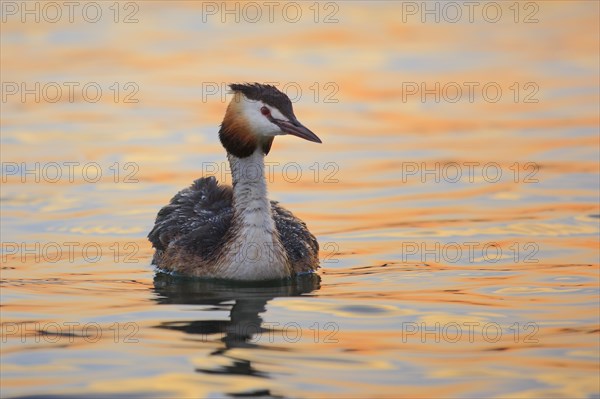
(459, 233)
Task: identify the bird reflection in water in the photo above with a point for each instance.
(246, 301)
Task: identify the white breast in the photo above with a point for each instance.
(255, 253)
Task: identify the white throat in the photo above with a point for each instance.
(255, 250)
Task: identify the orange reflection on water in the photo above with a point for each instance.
(382, 321)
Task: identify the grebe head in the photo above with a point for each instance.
(255, 116)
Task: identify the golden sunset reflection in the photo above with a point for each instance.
(454, 197)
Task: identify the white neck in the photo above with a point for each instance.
(254, 250)
(250, 189)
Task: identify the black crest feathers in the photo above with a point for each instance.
(266, 93)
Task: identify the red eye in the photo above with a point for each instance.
(265, 111)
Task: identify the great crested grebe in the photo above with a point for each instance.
(216, 231)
